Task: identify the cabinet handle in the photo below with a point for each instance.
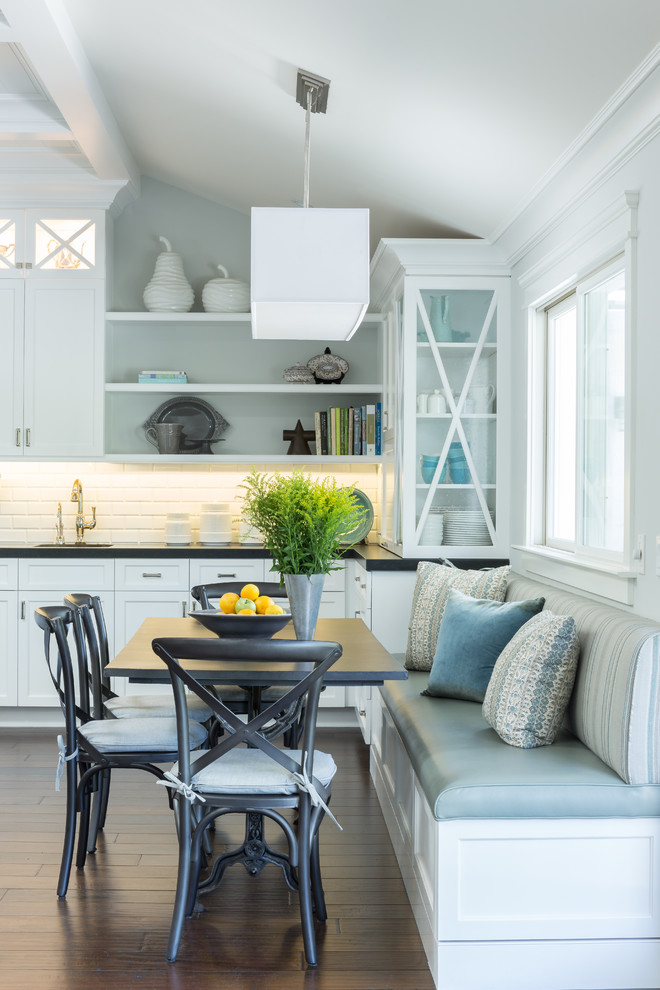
(18, 438)
(22, 610)
(27, 437)
(156, 574)
(19, 264)
(28, 264)
(183, 609)
(225, 575)
(363, 713)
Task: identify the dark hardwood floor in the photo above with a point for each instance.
(111, 929)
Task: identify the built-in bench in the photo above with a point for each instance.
(534, 869)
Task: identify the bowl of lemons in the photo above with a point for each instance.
(246, 614)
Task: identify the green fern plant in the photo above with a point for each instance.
(303, 521)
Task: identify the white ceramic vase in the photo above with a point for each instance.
(226, 295)
(169, 291)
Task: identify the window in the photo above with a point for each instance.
(585, 432)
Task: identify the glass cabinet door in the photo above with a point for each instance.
(452, 401)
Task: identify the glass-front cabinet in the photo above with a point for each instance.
(442, 469)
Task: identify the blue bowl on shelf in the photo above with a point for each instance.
(459, 471)
(429, 462)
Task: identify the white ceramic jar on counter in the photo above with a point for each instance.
(178, 529)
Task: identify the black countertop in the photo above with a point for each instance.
(372, 556)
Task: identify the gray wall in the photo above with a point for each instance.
(201, 232)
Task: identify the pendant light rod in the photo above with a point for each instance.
(312, 94)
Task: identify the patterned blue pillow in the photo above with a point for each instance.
(532, 680)
(432, 587)
(473, 633)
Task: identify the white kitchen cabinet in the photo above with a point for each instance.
(45, 581)
(51, 379)
(8, 632)
(52, 243)
(382, 599)
(240, 377)
(147, 587)
(447, 327)
(211, 571)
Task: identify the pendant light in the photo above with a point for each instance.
(310, 266)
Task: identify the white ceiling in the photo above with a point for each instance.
(443, 115)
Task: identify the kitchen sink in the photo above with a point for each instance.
(70, 546)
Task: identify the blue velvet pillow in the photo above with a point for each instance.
(472, 634)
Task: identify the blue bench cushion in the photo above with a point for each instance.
(466, 771)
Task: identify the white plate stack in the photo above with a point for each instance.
(466, 527)
(214, 524)
(432, 534)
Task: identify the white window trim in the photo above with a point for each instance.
(613, 234)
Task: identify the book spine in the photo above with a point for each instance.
(371, 429)
(337, 430)
(349, 430)
(379, 429)
(364, 430)
(332, 435)
(357, 430)
(324, 431)
(344, 430)
(317, 431)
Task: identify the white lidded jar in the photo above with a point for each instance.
(226, 295)
(169, 291)
(178, 529)
(215, 523)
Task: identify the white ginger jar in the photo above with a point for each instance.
(169, 291)
(226, 295)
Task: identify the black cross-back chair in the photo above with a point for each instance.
(106, 702)
(91, 746)
(256, 780)
(91, 636)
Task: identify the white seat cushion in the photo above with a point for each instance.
(156, 706)
(250, 771)
(125, 735)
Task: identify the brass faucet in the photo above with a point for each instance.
(59, 526)
(81, 525)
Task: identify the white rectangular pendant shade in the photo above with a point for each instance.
(310, 272)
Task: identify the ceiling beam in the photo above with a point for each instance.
(47, 37)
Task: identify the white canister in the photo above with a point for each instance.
(437, 405)
(215, 523)
(422, 403)
(178, 529)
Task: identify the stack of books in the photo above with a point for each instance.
(352, 430)
(162, 377)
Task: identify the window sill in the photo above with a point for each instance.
(612, 581)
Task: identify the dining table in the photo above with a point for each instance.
(364, 660)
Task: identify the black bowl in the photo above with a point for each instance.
(252, 626)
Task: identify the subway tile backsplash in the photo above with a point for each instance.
(132, 499)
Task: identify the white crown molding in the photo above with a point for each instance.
(38, 191)
(641, 89)
(606, 233)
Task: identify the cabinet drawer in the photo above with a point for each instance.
(227, 569)
(64, 574)
(9, 573)
(152, 575)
